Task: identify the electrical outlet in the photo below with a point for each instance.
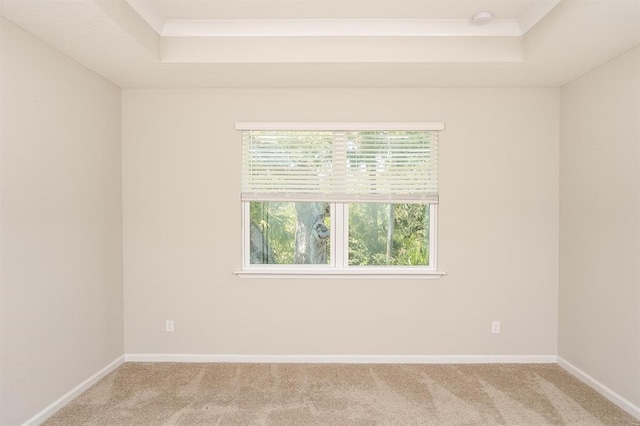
(169, 326)
(495, 327)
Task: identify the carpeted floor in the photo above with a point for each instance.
(340, 394)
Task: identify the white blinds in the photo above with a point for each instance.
(340, 165)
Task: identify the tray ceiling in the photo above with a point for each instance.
(331, 43)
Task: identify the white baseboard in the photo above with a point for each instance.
(621, 402)
(347, 359)
(66, 398)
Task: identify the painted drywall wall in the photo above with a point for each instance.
(61, 224)
(498, 229)
(599, 311)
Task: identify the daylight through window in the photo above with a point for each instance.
(356, 197)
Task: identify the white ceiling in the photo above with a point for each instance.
(158, 13)
(333, 43)
(330, 9)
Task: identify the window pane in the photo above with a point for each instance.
(289, 233)
(388, 234)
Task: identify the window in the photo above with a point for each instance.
(339, 198)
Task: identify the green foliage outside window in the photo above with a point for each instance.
(277, 222)
(388, 234)
(379, 234)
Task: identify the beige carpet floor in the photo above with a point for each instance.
(340, 394)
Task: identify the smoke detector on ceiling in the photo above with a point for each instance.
(481, 18)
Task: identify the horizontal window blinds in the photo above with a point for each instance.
(344, 165)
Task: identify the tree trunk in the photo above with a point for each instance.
(259, 248)
(392, 219)
(312, 234)
(374, 227)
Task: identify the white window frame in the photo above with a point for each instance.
(339, 213)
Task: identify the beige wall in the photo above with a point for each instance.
(498, 229)
(599, 315)
(60, 224)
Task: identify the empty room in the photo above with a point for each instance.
(328, 212)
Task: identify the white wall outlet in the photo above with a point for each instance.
(169, 326)
(495, 327)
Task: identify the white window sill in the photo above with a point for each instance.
(354, 273)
